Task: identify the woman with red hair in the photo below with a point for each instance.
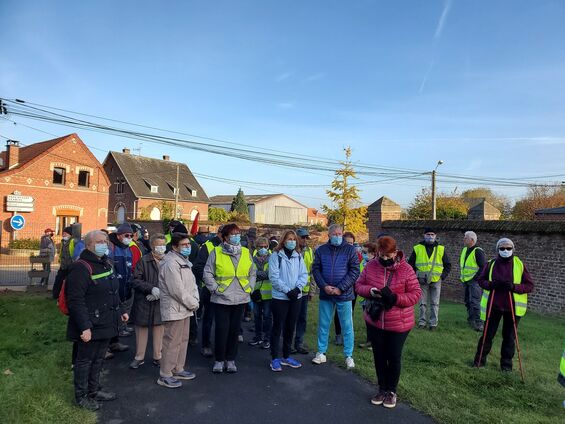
(391, 288)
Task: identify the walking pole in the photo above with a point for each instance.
(485, 329)
(516, 336)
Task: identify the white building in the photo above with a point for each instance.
(276, 209)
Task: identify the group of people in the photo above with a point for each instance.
(160, 284)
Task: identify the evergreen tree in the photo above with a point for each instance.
(239, 204)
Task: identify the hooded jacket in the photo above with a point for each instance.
(336, 266)
(287, 273)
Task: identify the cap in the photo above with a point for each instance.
(124, 228)
(302, 232)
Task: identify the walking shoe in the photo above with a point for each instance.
(156, 362)
(246, 318)
(290, 362)
(302, 350)
(276, 365)
(422, 326)
(320, 358)
(230, 367)
(206, 352)
(390, 400)
(379, 398)
(135, 364)
(338, 340)
(349, 363)
(479, 326)
(240, 338)
(184, 375)
(108, 355)
(218, 367)
(88, 403)
(255, 342)
(118, 347)
(102, 396)
(266, 345)
(170, 382)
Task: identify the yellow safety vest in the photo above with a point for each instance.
(265, 286)
(308, 255)
(562, 369)
(424, 262)
(361, 268)
(520, 300)
(226, 272)
(209, 246)
(468, 266)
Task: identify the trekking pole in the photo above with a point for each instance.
(516, 336)
(485, 329)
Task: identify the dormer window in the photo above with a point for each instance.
(172, 187)
(191, 191)
(152, 185)
(154, 189)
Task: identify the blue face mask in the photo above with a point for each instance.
(429, 239)
(235, 239)
(263, 252)
(336, 240)
(101, 249)
(290, 244)
(185, 251)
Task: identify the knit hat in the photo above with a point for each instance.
(68, 230)
(180, 228)
(504, 240)
(124, 228)
(429, 230)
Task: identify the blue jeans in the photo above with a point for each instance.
(345, 314)
(301, 322)
(263, 320)
(473, 294)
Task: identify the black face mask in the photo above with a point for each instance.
(386, 262)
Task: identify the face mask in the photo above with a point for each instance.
(66, 238)
(290, 244)
(160, 250)
(386, 262)
(505, 253)
(185, 251)
(126, 241)
(235, 239)
(429, 239)
(336, 240)
(263, 252)
(101, 249)
(365, 256)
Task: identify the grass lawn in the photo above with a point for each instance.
(33, 347)
(437, 377)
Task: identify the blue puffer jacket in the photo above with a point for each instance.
(336, 266)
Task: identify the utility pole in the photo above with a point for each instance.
(177, 194)
(439, 162)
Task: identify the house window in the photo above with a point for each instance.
(63, 221)
(83, 178)
(120, 185)
(154, 189)
(59, 176)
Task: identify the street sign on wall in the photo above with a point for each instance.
(17, 222)
(19, 203)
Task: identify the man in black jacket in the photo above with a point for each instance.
(95, 311)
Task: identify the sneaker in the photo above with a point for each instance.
(108, 355)
(339, 340)
(276, 365)
(156, 362)
(118, 347)
(230, 367)
(320, 358)
(218, 367)
(349, 363)
(206, 352)
(255, 342)
(240, 338)
(184, 375)
(479, 327)
(422, 326)
(102, 396)
(246, 318)
(302, 350)
(88, 403)
(170, 382)
(379, 398)
(135, 364)
(390, 400)
(266, 345)
(290, 362)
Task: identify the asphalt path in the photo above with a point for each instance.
(311, 394)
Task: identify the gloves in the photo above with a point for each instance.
(262, 275)
(256, 296)
(389, 298)
(155, 292)
(150, 298)
(293, 294)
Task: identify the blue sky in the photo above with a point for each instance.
(477, 84)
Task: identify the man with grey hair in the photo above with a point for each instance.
(471, 262)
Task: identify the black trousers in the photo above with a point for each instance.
(207, 316)
(387, 354)
(337, 324)
(285, 314)
(508, 339)
(228, 319)
(88, 366)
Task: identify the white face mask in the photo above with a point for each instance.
(126, 241)
(160, 250)
(66, 238)
(505, 253)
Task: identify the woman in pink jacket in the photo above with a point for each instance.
(392, 283)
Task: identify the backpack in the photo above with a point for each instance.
(62, 299)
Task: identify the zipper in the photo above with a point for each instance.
(383, 317)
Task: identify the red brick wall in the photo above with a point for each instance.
(36, 180)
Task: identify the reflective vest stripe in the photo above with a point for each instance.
(562, 367)
(424, 262)
(468, 266)
(102, 275)
(308, 255)
(520, 300)
(226, 272)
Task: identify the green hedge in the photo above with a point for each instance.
(27, 243)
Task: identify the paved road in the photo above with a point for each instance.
(312, 394)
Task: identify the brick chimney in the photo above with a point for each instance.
(125, 150)
(12, 153)
(166, 157)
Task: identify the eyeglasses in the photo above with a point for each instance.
(127, 235)
(505, 248)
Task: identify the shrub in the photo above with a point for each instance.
(27, 243)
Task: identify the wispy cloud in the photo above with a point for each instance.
(426, 76)
(285, 105)
(315, 77)
(442, 19)
(283, 76)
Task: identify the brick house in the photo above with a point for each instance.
(550, 214)
(64, 180)
(145, 188)
(316, 217)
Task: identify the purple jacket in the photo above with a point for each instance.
(336, 266)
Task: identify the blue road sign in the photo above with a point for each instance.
(17, 222)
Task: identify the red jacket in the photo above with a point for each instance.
(400, 318)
